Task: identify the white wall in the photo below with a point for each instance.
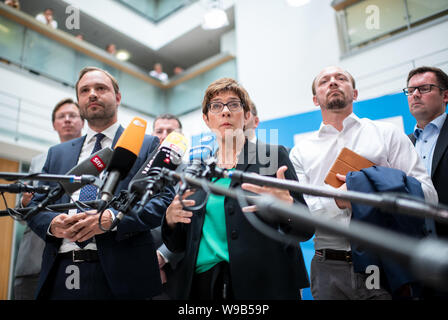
(280, 49)
(41, 93)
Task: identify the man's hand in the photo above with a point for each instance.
(26, 198)
(342, 204)
(87, 225)
(60, 226)
(281, 194)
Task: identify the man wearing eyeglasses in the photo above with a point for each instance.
(427, 92)
(68, 124)
(338, 266)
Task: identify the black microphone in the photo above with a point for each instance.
(123, 158)
(20, 187)
(93, 165)
(169, 155)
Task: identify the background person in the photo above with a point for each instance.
(67, 122)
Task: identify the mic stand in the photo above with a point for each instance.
(384, 201)
(415, 253)
(54, 207)
(19, 188)
(83, 179)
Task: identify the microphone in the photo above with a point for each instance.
(169, 156)
(123, 158)
(20, 187)
(93, 165)
(89, 168)
(205, 147)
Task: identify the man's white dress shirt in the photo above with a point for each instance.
(380, 142)
(86, 151)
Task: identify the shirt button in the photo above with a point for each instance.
(234, 235)
(424, 157)
(426, 141)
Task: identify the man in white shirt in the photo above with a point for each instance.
(332, 275)
(47, 18)
(158, 73)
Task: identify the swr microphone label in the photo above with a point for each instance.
(98, 163)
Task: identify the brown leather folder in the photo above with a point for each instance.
(346, 161)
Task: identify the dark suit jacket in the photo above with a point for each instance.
(127, 255)
(260, 267)
(439, 172)
(382, 179)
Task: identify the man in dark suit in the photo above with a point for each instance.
(80, 260)
(67, 122)
(427, 92)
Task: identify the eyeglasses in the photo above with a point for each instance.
(71, 116)
(217, 107)
(422, 89)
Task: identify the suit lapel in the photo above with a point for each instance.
(249, 150)
(441, 145)
(76, 147)
(117, 135)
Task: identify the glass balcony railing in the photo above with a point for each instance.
(30, 45)
(60, 56)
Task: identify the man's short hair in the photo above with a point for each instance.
(441, 76)
(90, 69)
(167, 116)
(313, 86)
(225, 85)
(60, 104)
(253, 109)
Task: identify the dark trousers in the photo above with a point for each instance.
(25, 287)
(70, 280)
(214, 284)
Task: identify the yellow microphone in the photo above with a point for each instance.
(124, 156)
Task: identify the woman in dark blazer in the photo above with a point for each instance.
(225, 257)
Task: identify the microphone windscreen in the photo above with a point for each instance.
(203, 147)
(128, 147)
(133, 136)
(170, 152)
(93, 165)
(169, 155)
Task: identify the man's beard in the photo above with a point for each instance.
(336, 104)
(104, 113)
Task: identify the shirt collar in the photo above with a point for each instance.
(437, 123)
(350, 121)
(109, 132)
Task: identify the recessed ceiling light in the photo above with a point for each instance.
(215, 18)
(297, 3)
(122, 55)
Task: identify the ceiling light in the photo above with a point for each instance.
(297, 3)
(122, 55)
(215, 17)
